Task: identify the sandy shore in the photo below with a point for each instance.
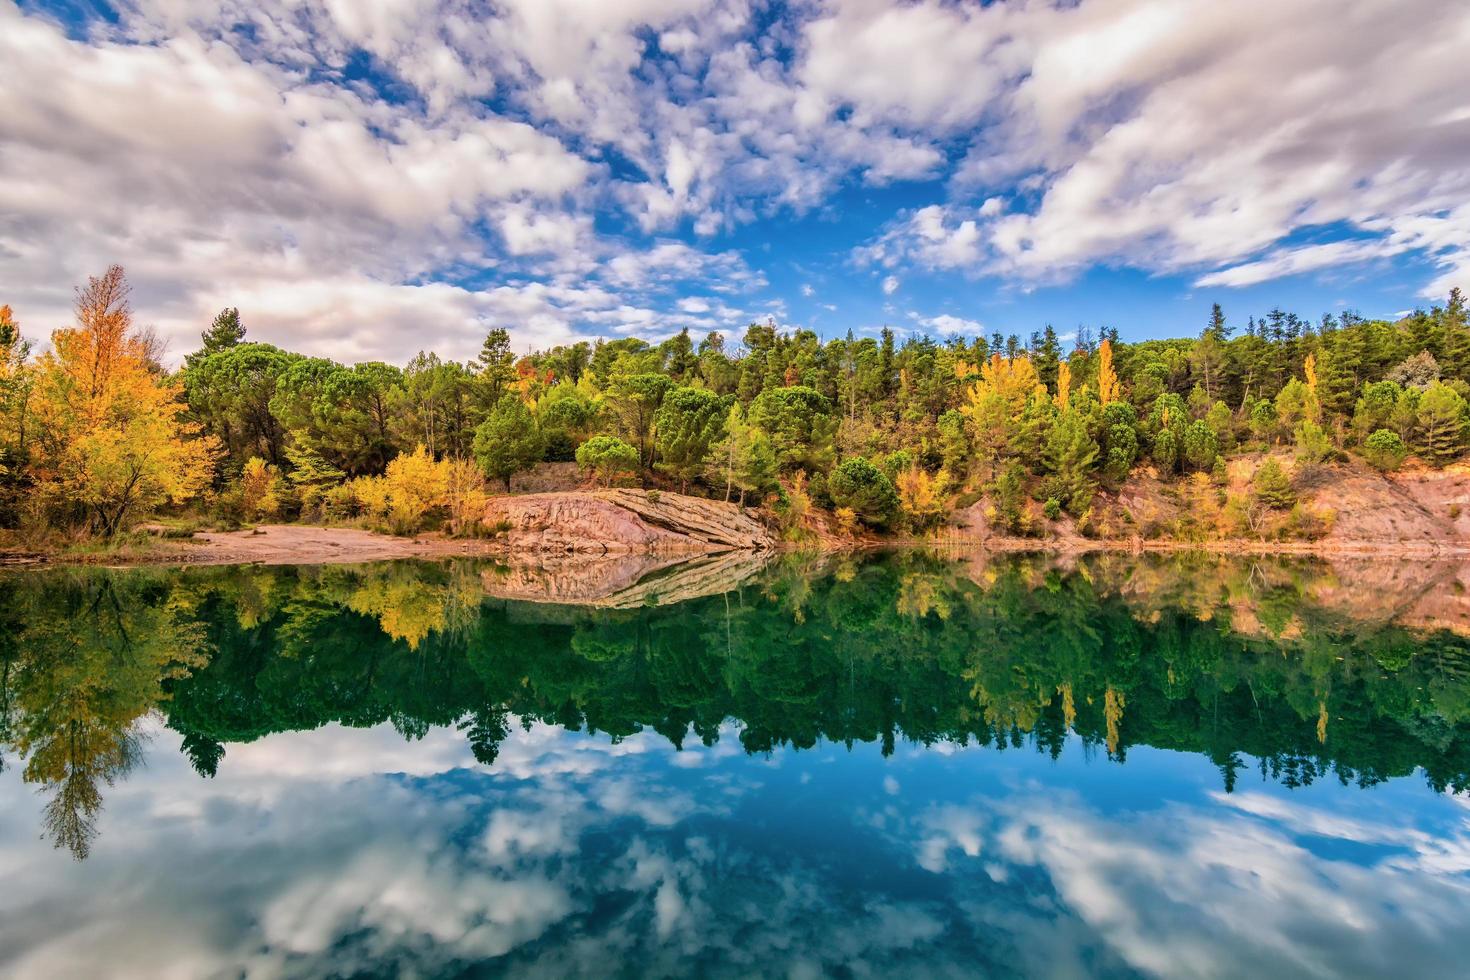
(270, 544)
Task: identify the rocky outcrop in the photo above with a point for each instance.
(627, 522)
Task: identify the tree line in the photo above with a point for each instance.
(882, 433)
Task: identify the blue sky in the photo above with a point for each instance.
(365, 180)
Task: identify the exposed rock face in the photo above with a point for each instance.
(624, 522)
(1412, 510)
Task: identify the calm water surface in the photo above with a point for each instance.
(904, 766)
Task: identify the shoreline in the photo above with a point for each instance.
(305, 544)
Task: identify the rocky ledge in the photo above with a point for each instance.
(624, 522)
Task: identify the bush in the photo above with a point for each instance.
(861, 486)
(260, 486)
(1384, 450)
(1272, 486)
(1052, 509)
(844, 521)
(1201, 445)
(1313, 444)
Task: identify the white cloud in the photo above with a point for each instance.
(946, 324)
(890, 285)
(222, 150)
(1192, 135)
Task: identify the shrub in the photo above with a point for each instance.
(415, 485)
(844, 521)
(858, 484)
(260, 486)
(1313, 444)
(1201, 445)
(1384, 450)
(1272, 486)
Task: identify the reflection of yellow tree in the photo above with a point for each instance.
(1113, 702)
(1069, 706)
(92, 662)
(408, 607)
(921, 593)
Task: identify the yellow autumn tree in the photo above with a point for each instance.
(1064, 385)
(921, 496)
(1313, 403)
(1013, 379)
(260, 485)
(1107, 378)
(114, 437)
(416, 485)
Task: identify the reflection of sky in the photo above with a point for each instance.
(338, 850)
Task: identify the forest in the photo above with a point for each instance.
(874, 434)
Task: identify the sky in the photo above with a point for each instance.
(366, 180)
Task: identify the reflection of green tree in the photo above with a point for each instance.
(88, 656)
(903, 647)
(1223, 659)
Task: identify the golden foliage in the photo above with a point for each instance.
(844, 521)
(1064, 385)
(259, 488)
(1107, 378)
(115, 436)
(1113, 703)
(415, 486)
(1013, 379)
(1313, 406)
(464, 495)
(1069, 706)
(919, 594)
(920, 495)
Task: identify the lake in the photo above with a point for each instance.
(895, 765)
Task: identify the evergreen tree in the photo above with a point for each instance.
(508, 441)
(497, 367)
(1441, 424)
(687, 425)
(1070, 456)
(1272, 487)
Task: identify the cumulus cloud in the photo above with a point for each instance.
(461, 165)
(945, 323)
(1185, 136)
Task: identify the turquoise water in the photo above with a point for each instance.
(890, 767)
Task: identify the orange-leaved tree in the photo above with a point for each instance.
(114, 435)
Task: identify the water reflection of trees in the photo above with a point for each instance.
(1224, 659)
(86, 657)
